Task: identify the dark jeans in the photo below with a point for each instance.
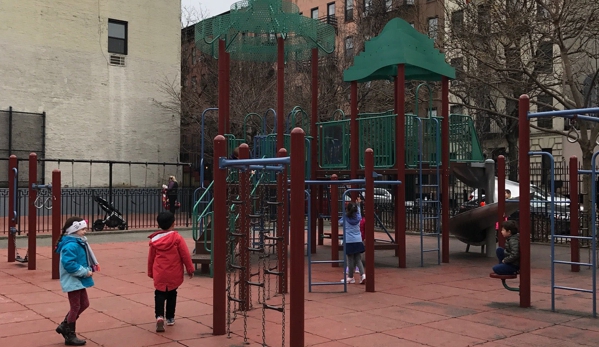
(170, 296)
(171, 203)
(501, 268)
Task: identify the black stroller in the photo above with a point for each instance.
(112, 219)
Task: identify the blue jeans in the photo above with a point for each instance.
(501, 268)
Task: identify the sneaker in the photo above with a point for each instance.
(170, 321)
(159, 324)
(363, 279)
(349, 280)
(357, 271)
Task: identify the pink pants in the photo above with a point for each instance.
(79, 302)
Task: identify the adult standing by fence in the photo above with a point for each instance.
(172, 192)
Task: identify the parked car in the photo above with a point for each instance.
(382, 198)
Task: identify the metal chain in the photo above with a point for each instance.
(283, 256)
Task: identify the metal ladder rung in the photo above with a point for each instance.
(237, 202)
(429, 201)
(571, 263)
(328, 283)
(237, 267)
(257, 250)
(253, 216)
(257, 284)
(430, 218)
(573, 237)
(326, 261)
(430, 250)
(574, 289)
(274, 203)
(430, 185)
(235, 299)
(275, 308)
(237, 234)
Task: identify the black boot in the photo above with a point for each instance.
(72, 339)
(62, 327)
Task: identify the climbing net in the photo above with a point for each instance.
(256, 248)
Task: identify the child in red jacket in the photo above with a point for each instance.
(168, 253)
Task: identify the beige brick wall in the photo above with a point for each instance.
(54, 58)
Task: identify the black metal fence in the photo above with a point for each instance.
(133, 189)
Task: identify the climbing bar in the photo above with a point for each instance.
(237, 267)
(259, 163)
(348, 182)
(235, 299)
(276, 238)
(237, 235)
(576, 114)
(272, 272)
(257, 284)
(258, 250)
(253, 216)
(575, 289)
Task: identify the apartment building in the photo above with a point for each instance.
(96, 69)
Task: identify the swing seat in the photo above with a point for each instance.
(21, 260)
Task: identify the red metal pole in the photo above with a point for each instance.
(500, 198)
(32, 232)
(222, 88)
(280, 92)
(524, 204)
(400, 130)
(13, 219)
(314, 152)
(445, 170)
(334, 221)
(369, 227)
(56, 220)
(297, 269)
(319, 211)
(282, 225)
(219, 245)
(227, 92)
(574, 251)
(354, 138)
(244, 254)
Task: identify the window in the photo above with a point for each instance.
(314, 13)
(349, 10)
(388, 5)
(117, 36)
(409, 2)
(545, 57)
(456, 109)
(331, 9)
(457, 20)
(433, 27)
(458, 65)
(367, 7)
(484, 19)
(349, 46)
(545, 103)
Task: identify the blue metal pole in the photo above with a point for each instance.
(594, 229)
(575, 113)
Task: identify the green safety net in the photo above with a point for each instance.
(250, 30)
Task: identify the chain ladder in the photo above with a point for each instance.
(233, 278)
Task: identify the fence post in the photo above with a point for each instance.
(524, 204)
(32, 217)
(334, 212)
(500, 198)
(56, 221)
(13, 193)
(574, 251)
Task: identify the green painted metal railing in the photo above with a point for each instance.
(431, 133)
(377, 131)
(334, 144)
(464, 145)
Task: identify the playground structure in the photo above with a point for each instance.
(36, 201)
(524, 205)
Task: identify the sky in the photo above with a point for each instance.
(212, 7)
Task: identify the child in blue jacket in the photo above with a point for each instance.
(77, 266)
(354, 247)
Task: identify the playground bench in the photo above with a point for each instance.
(505, 277)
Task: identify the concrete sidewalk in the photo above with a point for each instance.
(453, 304)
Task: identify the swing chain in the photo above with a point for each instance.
(41, 200)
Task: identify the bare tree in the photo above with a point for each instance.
(544, 48)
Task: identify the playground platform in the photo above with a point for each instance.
(454, 304)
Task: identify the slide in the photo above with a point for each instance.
(471, 226)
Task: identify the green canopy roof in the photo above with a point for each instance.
(251, 27)
(399, 43)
